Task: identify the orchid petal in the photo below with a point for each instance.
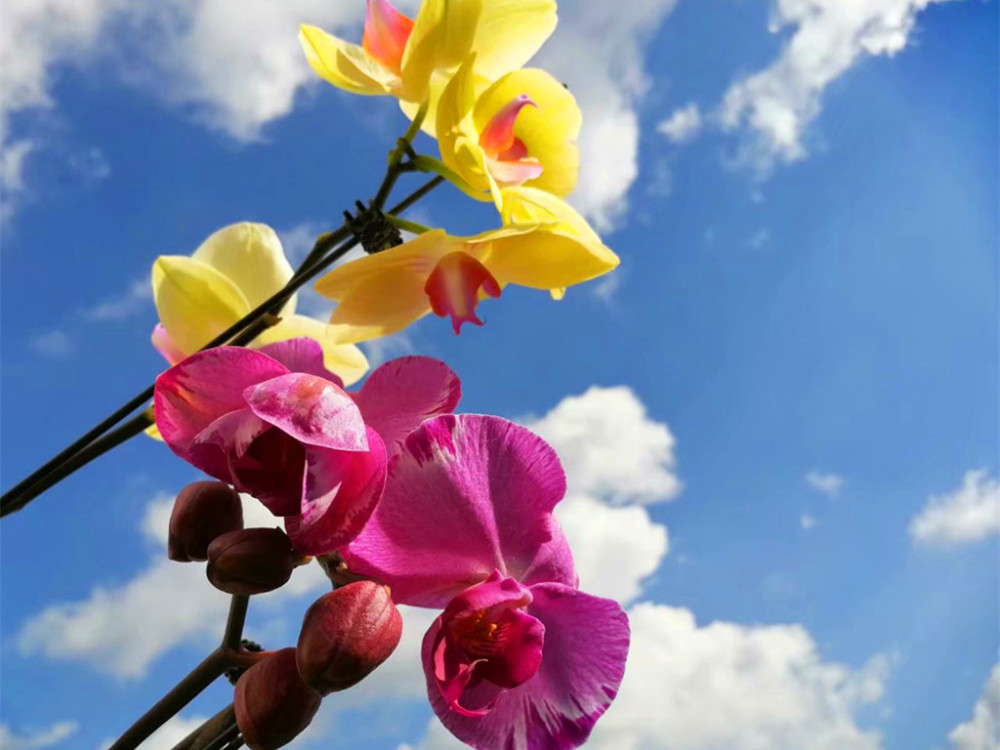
(549, 129)
(386, 33)
(346, 66)
(226, 439)
(403, 393)
(310, 409)
(195, 302)
(165, 345)
(250, 255)
(583, 662)
(466, 496)
(442, 36)
(341, 491)
(510, 32)
(301, 355)
(207, 385)
(342, 362)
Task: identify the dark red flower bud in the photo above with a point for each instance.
(251, 561)
(346, 634)
(202, 511)
(273, 705)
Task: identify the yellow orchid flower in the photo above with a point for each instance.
(519, 130)
(412, 59)
(545, 245)
(231, 273)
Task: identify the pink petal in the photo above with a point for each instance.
(467, 495)
(272, 470)
(514, 173)
(401, 394)
(165, 345)
(191, 395)
(341, 491)
(310, 409)
(455, 286)
(301, 355)
(583, 662)
(228, 437)
(386, 33)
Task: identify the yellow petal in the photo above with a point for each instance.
(454, 124)
(558, 294)
(346, 66)
(416, 257)
(251, 256)
(442, 36)
(510, 32)
(559, 253)
(194, 301)
(154, 432)
(382, 303)
(549, 129)
(346, 360)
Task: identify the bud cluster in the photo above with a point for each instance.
(345, 634)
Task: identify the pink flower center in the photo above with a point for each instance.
(506, 154)
(386, 33)
(455, 285)
(501, 645)
(272, 469)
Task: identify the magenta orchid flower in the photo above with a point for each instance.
(276, 424)
(520, 659)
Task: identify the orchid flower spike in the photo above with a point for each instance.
(520, 658)
(413, 59)
(232, 272)
(520, 130)
(546, 245)
(279, 426)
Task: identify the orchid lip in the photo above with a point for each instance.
(386, 34)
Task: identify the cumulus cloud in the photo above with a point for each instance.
(36, 740)
(969, 514)
(599, 51)
(774, 107)
(683, 125)
(724, 685)
(828, 484)
(982, 731)
(123, 629)
(616, 459)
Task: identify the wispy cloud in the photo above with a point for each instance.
(37, 739)
(134, 299)
(54, 344)
(828, 484)
(683, 125)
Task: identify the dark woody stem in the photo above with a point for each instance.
(191, 686)
(95, 443)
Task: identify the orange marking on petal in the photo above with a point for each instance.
(498, 135)
(386, 33)
(454, 286)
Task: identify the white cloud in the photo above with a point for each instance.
(169, 735)
(982, 731)
(53, 735)
(611, 448)
(122, 629)
(738, 687)
(731, 686)
(133, 300)
(808, 522)
(55, 344)
(616, 459)
(599, 50)
(683, 125)
(774, 107)
(969, 514)
(829, 484)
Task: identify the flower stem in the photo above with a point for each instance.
(88, 447)
(210, 669)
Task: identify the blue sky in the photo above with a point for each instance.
(792, 377)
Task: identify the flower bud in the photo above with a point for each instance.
(250, 561)
(202, 511)
(273, 705)
(346, 634)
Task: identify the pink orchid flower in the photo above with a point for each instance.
(520, 659)
(276, 424)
